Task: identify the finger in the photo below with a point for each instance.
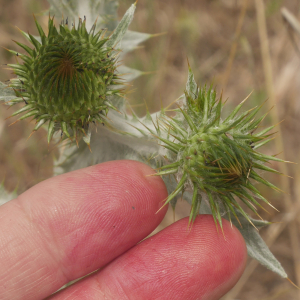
(177, 263)
(73, 224)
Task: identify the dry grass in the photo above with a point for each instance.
(228, 42)
(21, 165)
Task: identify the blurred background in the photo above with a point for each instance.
(240, 46)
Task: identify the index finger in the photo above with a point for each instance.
(73, 224)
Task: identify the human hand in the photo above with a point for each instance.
(71, 225)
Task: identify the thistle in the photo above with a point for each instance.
(215, 159)
(66, 79)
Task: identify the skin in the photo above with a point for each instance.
(71, 225)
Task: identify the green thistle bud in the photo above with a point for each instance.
(217, 160)
(66, 78)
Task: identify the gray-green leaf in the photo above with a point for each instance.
(122, 27)
(106, 145)
(128, 74)
(6, 93)
(104, 10)
(132, 39)
(191, 85)
(6, 196)
(256, 246)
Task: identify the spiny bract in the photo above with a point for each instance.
(66, 78)
(216, 159)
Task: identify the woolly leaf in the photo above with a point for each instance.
(104, 10)
(122, 27)
(191, 85)
(6, 196)
(128, 74)
(256, 246)
(132, 39)
(129, 139)
(106, 146)
(66, 8)
(6, 93)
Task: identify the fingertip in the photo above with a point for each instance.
(220, 254)
(206, 261)
(177, 263)
(223, 254)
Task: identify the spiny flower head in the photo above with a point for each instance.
(217, 160)
(66, 79)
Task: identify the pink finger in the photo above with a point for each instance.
(73, 224)
(177, 263)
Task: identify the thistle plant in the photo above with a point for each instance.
(66, 79)
(70, 78)
(213, 158)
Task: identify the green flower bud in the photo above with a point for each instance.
(66, 78)
(215, 159)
